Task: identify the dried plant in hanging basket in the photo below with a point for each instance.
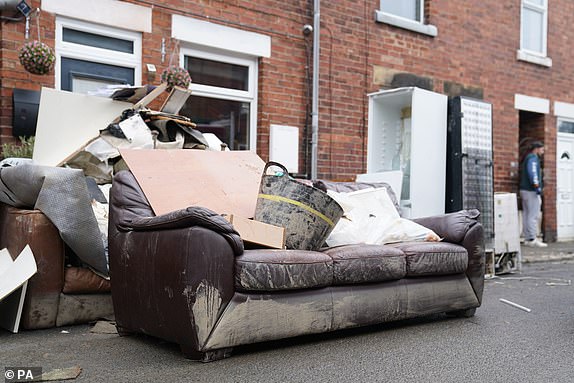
(37, 57)
(176, 76)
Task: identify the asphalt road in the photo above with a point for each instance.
(500, 344)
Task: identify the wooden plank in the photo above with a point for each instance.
(226, 182)
(176, 100)
(258, 233)
(150, 96)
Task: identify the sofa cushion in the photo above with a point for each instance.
(433, 258)
(366, 263)
(81, 280)
(270, 269)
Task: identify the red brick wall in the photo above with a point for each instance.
(12, 74)
(549, 197)
(475, 50)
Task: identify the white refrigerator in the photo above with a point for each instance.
(407, 132)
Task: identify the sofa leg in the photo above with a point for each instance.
(122, 331)
(205, 356)
(468, 313)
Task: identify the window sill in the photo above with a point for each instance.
(400, 22)
(534, 59)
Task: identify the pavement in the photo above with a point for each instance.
(501, 343)
(556, 251)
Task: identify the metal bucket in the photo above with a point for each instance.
(307, 213)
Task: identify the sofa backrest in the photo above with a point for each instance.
(127, 193)
(346, 187)
(127, 199)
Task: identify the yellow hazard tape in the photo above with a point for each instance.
(277, 198)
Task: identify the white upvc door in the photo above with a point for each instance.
(565, 186)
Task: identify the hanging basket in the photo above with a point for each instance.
(176, 76)
(37, 57)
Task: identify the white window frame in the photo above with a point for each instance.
(402, 22)
(524, 54)
(249, 96)
(94, 54)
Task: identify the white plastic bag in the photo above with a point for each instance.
(371, 217)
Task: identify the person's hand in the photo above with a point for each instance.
(538, 190)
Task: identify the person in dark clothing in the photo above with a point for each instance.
(530, 193)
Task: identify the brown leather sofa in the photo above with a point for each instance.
(186, 278)
(58, 294)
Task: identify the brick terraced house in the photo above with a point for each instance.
(252, 64)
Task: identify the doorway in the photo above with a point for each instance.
(531, 128)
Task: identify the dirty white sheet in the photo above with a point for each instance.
(370, 217)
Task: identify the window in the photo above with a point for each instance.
(91, 56)
(223, 64)
(224, 100)
(533, 31)
(565, 126)
(406, 14)
(409, 9)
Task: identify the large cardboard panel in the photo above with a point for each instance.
(67, 121)
(225, 182)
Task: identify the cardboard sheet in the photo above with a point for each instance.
(67, 121)
(14, 277)
(258, 234)
(226, 182)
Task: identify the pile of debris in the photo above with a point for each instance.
(86, 132)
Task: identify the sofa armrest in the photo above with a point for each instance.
(452, 227)
(184, 218)
(462, 228)
(173, 284)
(473, 242)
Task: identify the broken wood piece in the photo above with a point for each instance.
(61, 374)
(176, 100)
(515, 305)
(567, 282)
(179, 121)
(150, 96)
(104, 327)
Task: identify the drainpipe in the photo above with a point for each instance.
(315, 95)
